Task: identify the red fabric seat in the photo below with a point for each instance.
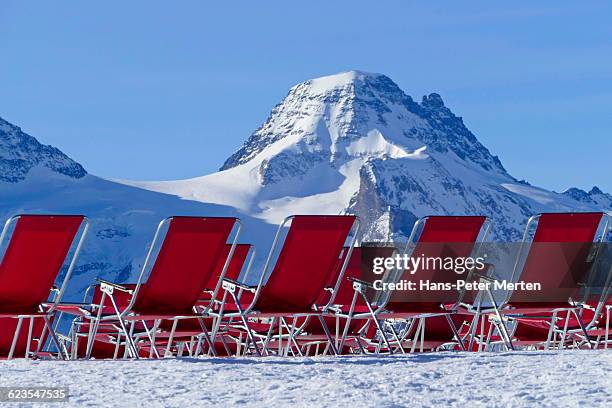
(36, 252)
(234, 268)
(557, 259)
(308, 258)
(33, 259)
(185, 263)
(441, 237)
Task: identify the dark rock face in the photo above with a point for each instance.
(20, 152)
(594, 197)
(578, 194)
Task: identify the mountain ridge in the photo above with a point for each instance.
(338, 142)
(349, 143)
(20, 152)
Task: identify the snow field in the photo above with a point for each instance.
(518, 379)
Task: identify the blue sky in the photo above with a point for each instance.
(165, 90)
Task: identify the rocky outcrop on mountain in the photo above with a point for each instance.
(20, 152)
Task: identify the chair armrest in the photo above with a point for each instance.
(114, 286)
(361, 282)
(231, 285)
(74, 309)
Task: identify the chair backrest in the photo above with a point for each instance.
(442, 237)
(306, 261)
(360, 266)
(185, 262)
(33, 259)
(234, 268)
(558, 257)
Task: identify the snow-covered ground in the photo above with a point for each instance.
(559, 379)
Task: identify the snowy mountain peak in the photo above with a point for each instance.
(20, 153)
(321, 118)
(328, 83)
(355, 142)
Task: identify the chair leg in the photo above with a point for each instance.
(416, 335)
(377, 323)
(475, 322)
(455, 332)
(211, 346)
(93, 328)
(328, 335)
(553, 319)
(503, 329)
(285, 350)
(29, 339)
(565, 326)
(168, 352)
(348, 320)
(584, 330)
(117, 345)
(291, 340)
(217, 322)
(396, 338)
(54, 338)
(269, 336)
(15, 338)
(422, 344)
(130, 345)
(151, 336)
(607, 339)
(239, 345)
(246, 324)
(489, 334)
(482, 341)
(280, 335)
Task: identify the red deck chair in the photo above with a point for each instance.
(182, 268)
(431, 237)
(597, 302)
(360, 266)
(37, 250)
(309, 255)
(559, 258)
(238, 268)
(108, 338)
